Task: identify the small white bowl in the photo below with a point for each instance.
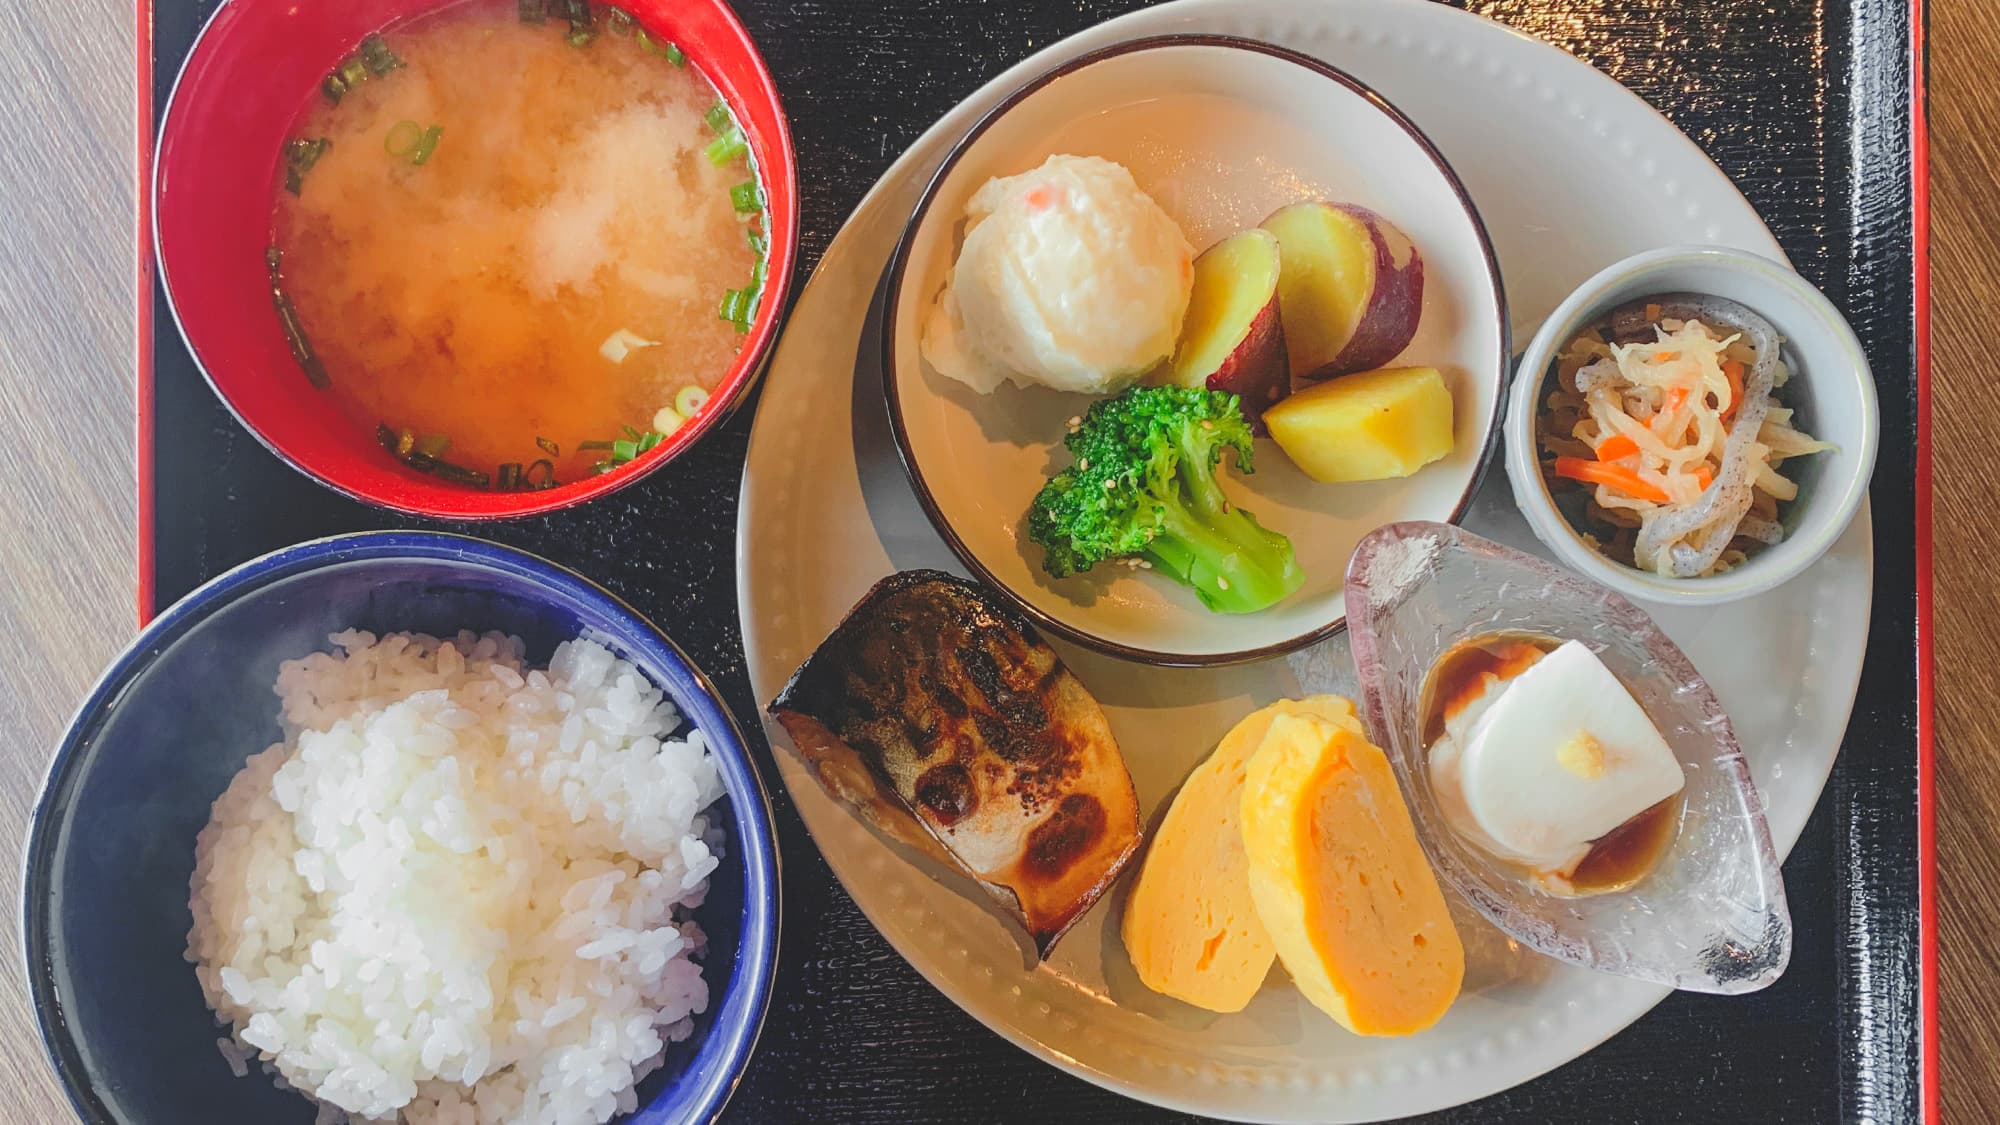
(1831, 388)
(1220, 132)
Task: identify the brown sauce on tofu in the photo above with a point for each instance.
(1623, 856)
(1462, 673)
(1616, 860)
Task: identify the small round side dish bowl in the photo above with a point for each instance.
(111, 844)
(1830, 387)
(1220, 132)
(253, 68)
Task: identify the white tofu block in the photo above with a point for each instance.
(1564, 756)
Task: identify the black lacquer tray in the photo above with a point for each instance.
(853, 1033)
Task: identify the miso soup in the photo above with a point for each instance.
(519, 251)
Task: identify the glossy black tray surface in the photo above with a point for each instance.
(1806, 103)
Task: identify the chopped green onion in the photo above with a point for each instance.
(294, 329)
(426, 145)
(718, 118)
(422, 454)
(665, 48)
(619, 21)
(510, 477)
(302, 351)
(758, 242)
(377, 56)
(534, 11)
(548, 447)
(623, 449)
(352, 71)
(689, 402)
(744, 197)
(403, 138)
(547, 478)
(334, 87)
(301, 153)
(581, 32)
(459, 474)
(726, 148)
(735, 305)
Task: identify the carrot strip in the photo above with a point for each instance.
(1676, 398)
(1733, 370)
(1610, 476)
(1666, 357)
(1704, 476)
(1617, 446)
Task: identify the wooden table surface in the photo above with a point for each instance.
(1965, 289)
(67, 537)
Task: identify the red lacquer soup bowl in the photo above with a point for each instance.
(254, 69)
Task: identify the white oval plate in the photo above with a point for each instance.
(826, 511)
(1221, 134)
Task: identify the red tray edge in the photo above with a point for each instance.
(1920, 247)
(142, 245)
(1926, 790)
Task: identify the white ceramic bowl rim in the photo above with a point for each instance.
(899, 263)
(1828, 510)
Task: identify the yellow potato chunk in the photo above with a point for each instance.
(1371, 426)
(1190, 928)
(1342, 884)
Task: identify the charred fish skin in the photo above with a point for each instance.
(943, 718)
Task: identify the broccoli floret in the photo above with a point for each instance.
(1144, 486)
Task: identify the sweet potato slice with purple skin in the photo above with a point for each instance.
(1233, 337)
(1351, 289)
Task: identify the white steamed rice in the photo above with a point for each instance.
(457, 892)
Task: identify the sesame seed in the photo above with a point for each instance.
(1084, 463)
(1207, 425)
(1221, 583)
(1144, 565)
(1110, 483)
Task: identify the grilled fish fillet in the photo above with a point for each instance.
(940, 716)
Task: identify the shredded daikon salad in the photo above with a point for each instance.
(1652, 427)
